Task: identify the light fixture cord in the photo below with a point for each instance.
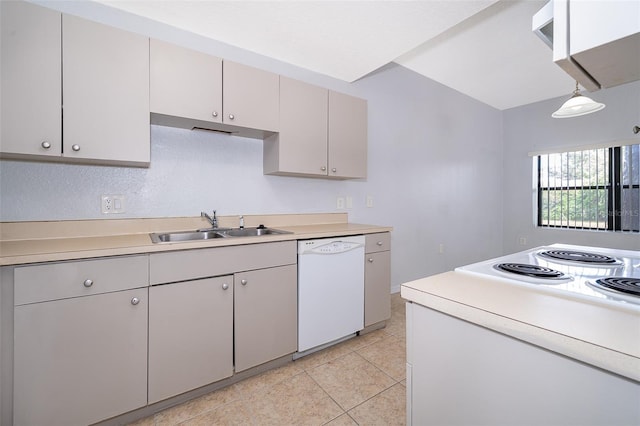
(577, 91)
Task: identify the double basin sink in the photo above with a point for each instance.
(209, 234)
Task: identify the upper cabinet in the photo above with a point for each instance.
(31, 78)
(301, 146)
(596, 43)
(347, 136)
(185, 83)
(188, 91)
(105, 76)
(101, 74)
(322, 134)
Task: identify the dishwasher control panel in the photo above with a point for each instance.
(331, 245)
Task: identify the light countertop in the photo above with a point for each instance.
(602, 335)
(32, 242)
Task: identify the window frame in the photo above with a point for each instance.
(613, 189)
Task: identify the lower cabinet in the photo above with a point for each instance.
(80, 360)
(377, 279)
(190, 335)
(265, 315)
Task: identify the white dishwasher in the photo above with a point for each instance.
(330, 290)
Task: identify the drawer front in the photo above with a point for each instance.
(202, 263)
(39, 283)
(377, 242)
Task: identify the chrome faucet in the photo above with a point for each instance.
(213, 220)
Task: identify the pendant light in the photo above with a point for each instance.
(577, 105)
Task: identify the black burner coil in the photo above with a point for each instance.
(534, 271)
(622, 284)
(578, 256)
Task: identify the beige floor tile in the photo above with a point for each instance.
(350, 380)
(343, 420)
(295, 401)
(397, 324)
(147, 421)
(386, 408)
(196, 407)
(389, 355)
(360, 342)
(322, 357)
(234, 413)
(263, 382)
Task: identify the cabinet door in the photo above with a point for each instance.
(185, 83)
(377, 287)
(31, 78)
(265, 317)
(190, 335)
(81, 360)
(301, 145)
(347, 136)
(251, 97)
(106, 93)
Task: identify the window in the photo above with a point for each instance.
(590, 189)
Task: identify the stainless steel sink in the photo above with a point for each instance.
(171, 237)
(207, 234)
(254, 232)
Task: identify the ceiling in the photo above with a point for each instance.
(482, 48)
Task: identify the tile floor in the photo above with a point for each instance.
(357, 382)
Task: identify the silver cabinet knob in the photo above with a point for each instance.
(214, 113)
(135, 301)
(231, 116)
(225, 286)
(46, 145)
(333, 170)
(88, 283)
(323, 168)
(243, 282)
(75, 147)
(379, 243)
(370, 260)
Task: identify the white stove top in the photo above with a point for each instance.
(569, 277)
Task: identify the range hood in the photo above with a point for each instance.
(596, 42)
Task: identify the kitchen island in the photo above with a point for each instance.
(481, 351)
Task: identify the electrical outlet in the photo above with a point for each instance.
(369, 201)
(340, 203)
(349, 202)
(112, 204)
(523, 241)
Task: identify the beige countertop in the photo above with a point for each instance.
(32, 242)
(602, 335)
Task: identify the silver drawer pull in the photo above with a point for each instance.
(88, 283)
(135, 301)
(379, 243)
(46, 145)
(214, 113)
(243, 282)
(75, 147)
(370, 260)
(225, 286)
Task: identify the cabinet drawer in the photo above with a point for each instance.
(193, 264)
(377, 242)
(40, 283)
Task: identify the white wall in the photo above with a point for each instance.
(529, 129)
(435, 167)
